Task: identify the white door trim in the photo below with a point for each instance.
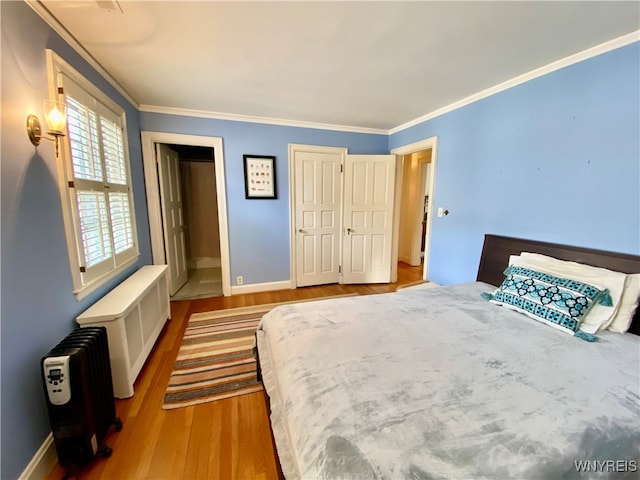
(294, 147)
(425, 144)
(149, 139)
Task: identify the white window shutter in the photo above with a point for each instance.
(113, 146)
(99, 176)
(121, 221)
(94, 227)
(83, 141)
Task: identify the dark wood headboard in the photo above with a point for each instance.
(497, 250)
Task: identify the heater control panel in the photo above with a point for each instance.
(56, 377)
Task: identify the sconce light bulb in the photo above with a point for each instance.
(56, 117)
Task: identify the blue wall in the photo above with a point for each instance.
(554, 159)
(38, 307)
(259, 229)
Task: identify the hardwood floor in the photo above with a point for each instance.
(225, 439)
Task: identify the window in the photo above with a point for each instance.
(97, 199)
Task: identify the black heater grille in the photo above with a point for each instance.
(81, 417)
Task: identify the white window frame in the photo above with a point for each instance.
(58, 69)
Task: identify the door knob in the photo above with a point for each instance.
(301, 231)
(349, 231)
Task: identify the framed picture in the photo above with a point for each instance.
(259, 177)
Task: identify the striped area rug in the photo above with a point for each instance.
(215, 360)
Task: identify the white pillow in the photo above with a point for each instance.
(621, 321)
(599, 315)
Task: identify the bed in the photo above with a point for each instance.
(443, 383)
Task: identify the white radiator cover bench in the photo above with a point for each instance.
(134, 313)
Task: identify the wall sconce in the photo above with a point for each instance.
(56, 118)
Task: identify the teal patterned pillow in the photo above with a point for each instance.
(559, 302)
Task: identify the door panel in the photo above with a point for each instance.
(317, 217)
(368, 212)
(357, 248)
(172, 217)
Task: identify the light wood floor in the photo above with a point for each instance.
(225, 439)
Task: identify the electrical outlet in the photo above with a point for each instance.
(239, 280)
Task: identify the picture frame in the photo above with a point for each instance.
(260, 177)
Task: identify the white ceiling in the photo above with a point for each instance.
(362, 64)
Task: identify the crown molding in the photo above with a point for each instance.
(234, 117)
(520, 79)
(53, 22)
(605, 47)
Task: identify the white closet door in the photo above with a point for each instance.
(172, 217)
(317, 217)
(368, 218)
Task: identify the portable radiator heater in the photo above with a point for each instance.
(79, 391)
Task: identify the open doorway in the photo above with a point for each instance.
(413, 217)
(414, 207)
(201, 225)
(198, 218)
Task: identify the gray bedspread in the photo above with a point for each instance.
(440, 383)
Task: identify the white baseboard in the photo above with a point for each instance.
(204, 262)
(408, 260)
(404, 259)
(42, 462)
(261, 287)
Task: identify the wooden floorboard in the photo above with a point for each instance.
(224, 439)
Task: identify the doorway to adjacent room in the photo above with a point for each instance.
(184, 179)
